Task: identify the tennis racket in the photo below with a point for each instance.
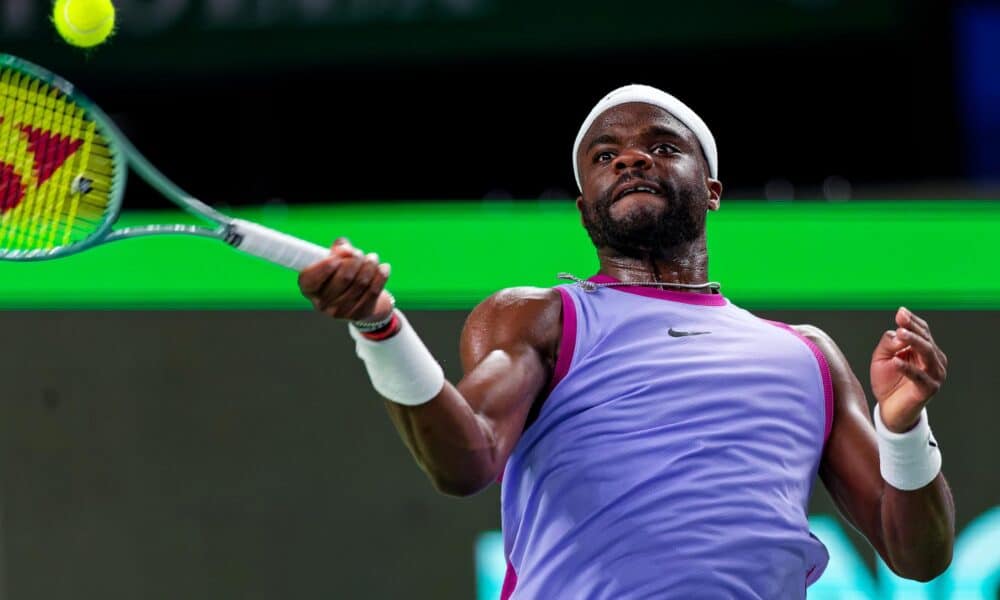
(63, 166)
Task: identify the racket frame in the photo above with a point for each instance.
(123, 155)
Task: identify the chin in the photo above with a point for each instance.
(627, 211)
(637, 217)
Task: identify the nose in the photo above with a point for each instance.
(633, 158)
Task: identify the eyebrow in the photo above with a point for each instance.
(651, 131)
(607, 138)
(660, 130)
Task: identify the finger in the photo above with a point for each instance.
(934, 359)
(343, 247)
(346, 252)
(312, 279)
(906, 318)
(889, 344)
(366, 304)
(925, 350)
(337, 284)
(919, 377)
(921, 328)
(922, 325)
(349, 298)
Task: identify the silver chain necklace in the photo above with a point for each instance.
(590, 286)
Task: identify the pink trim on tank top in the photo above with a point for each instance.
(567, 345)
(509, 582)
(824, 369)
(650, 292)
(567, 342)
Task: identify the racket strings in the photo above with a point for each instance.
(57, 171)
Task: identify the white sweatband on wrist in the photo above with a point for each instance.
(401, 368)
(908, 461)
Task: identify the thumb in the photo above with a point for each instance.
(343, 247)
(889, 345)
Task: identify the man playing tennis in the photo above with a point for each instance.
(653, 439)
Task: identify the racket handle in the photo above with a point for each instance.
(274, 246)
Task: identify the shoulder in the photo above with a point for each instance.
(822, 340)
(812, 333)
(840, 369)
(527, 312)
(521, 299)
(516, 316)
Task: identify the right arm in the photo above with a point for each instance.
(463, 436)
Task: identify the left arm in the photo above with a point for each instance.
(913, 531)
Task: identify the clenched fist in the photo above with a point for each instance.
(348, 284)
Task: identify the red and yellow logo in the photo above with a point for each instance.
(47, 144)
(47, 150)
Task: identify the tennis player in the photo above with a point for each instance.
(654, 440)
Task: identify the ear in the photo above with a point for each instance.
(714, 193)
(579, 207)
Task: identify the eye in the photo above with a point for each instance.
(604, 156)
(663, 149)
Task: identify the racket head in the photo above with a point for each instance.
(62, 166)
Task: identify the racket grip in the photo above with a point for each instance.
(274, 246)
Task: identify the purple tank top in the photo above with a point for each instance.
(673, 458)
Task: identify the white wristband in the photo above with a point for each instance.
(401, 368)
(908, 461)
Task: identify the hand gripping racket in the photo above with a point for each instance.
(63, 166)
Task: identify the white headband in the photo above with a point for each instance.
(650, 95)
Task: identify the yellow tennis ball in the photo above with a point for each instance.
(84, 23)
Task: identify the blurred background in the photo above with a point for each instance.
(196, 433)
(470, 99)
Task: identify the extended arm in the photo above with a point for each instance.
(913, 531)
(463, 435)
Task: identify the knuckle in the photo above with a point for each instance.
(350, 298)
(308, 282)
(343, 277)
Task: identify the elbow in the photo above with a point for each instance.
(466, 475)
(458, 488)
(461, 482)
(924, 576)
(931, 567)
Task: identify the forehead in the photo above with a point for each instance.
(633, 118)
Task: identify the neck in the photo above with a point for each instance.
(685, 263)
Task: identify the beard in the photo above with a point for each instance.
(646, 231)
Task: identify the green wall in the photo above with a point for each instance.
(858, 255)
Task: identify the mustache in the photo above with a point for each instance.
(658, 182)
